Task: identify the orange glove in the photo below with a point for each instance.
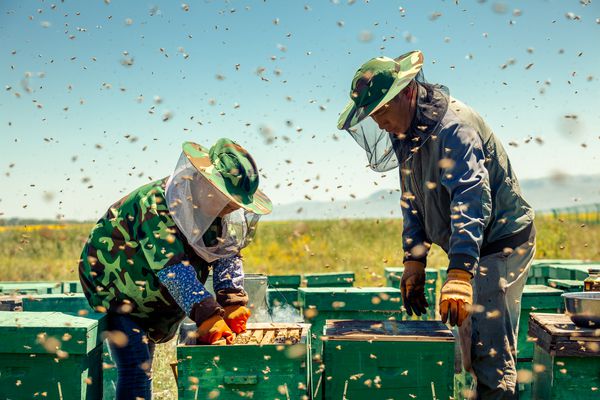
(214, 329)
(236, 317)
(456, 297)
(412, 286)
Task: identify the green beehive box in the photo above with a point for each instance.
(393, 276)
(27, 368)
(30, 287)
(388, 360)
(280, 297)
(320, 304)
(566, 285)
(536, 298)
(333, 279)
(72, 287)
(284, 281)
(524, 370)
(562, 269)
(559, 272)
(67, 303)
(566, 358)
(11, 302)
(272, 361)
(464, 386)
(77, 304)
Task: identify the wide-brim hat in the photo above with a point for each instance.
(377, 82)
(232, 170)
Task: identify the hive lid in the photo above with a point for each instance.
(559, 336)
(565, 283)
(541, 297)
(395, 273)
(25, 332)
(396, 331)
(69, 303)
(30, 287)
(568, 262)
(329, 278)
(541, 290)
(351, 298)
(284, 281)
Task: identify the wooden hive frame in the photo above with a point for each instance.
(269, 333)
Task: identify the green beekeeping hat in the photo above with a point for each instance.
(232, 170)
(376, 82)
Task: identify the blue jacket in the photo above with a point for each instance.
(458, 188)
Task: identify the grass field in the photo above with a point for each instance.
(51, 252)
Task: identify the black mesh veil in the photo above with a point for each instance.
(379, 144)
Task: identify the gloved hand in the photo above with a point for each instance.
(456, 297)
(236, 317)
(213, 329)
(412, 286)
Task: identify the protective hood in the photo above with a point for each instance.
(197, 208)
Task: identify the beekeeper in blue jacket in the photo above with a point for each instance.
(459, 192)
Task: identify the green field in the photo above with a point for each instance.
(366, 247)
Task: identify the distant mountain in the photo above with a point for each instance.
(543, 194)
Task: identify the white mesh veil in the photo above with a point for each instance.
(199, 211)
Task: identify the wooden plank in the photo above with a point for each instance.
(257, 336)
(388, 330)
(560, 325)
(386, 338)
(268, 337)
(295, 333)
(558, 336)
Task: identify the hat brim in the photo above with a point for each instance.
(198, 155)
(353, 115)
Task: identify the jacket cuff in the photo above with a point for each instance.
(205, 309)
(464, 262)
(409, 257)
(232, 297)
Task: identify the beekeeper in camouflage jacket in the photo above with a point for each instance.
(147, 258)
(459, 192)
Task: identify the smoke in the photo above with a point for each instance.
(285, 313)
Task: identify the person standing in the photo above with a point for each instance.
(460, 192)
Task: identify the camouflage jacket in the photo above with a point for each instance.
(127, 248)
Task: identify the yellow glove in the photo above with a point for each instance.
(412, 286)
(214, 329)
(456, 297)
(236, 317)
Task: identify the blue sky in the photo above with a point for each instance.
(79, 129)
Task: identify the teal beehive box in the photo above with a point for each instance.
(50, 355)
(332, 279)
(284, 281)
(72, 287)
(320, 304)
(25, 288)
(566, 285)
(68, 303)
(566, 360)
(280, 297)
(393, 276)
(268, 361)
(77, 304)
(536, 298)
(388, 360)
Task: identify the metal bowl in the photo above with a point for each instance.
(583, 308)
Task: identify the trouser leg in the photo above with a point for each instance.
(497, 288)
(133, 359)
